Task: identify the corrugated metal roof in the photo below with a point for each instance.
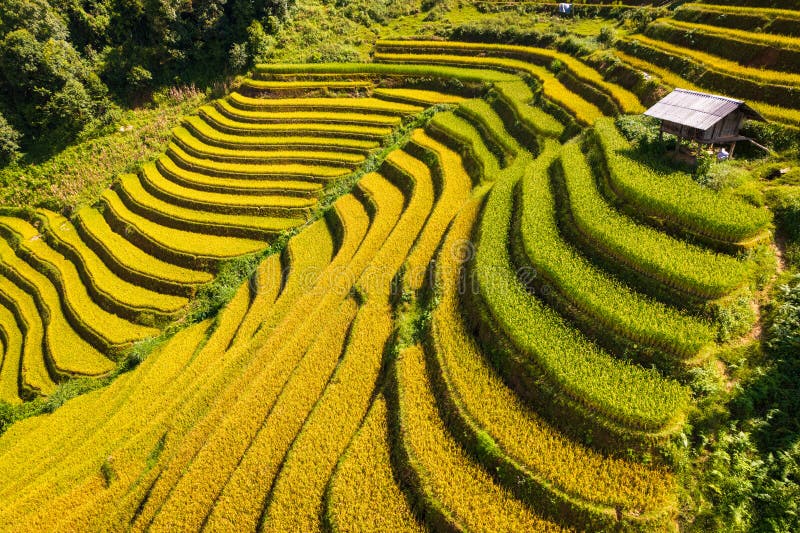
(697, 110)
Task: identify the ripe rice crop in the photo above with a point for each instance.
(238, 503)
(774, 21)
(715, 74)
(253, 170)
(12, 342)
(417, 97)
(367, 105)
(452, 492)
(276, 205)
(676, 198)
(627, 101)
(191, 145)
(343, 116)
(771, 112)
(127, 409)
(262, 85)
(256, 380)
(485, 119)
(280, 278)
(460, 134)
(677, 264)
(298, 491)
(244, 495)
(234, 430)
(296, 496)
(583, 111)
(33, 377)
(409, 69)
(111, 292)
(373, 502)
(454, 193)
(777, 52)
(106, 331)
(210, 135)
(766, 39)
(730, 67)
(65, 352)
(241, 186)
(187, 249)
(132, 263)
(584, 487)
(229, 126)
(139, 201)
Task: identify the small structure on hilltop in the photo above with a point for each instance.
(707, 119)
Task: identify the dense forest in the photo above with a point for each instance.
(66, 63)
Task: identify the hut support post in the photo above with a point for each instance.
(733, 147)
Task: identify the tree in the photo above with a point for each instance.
(36, 16)
(9, 141)
(259, 44)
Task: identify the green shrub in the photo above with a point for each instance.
(238, 58)
(7, 415)
(139, 77)
(785, 203)
(556, 66)
(607, 35)
(259, 44)
(334, 52)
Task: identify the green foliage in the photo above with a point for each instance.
(677, 264)
(499, 31)
(641, 131)
(747, 475)
(334, 52)
(78, 174)
(607, 35)
(556, 66)
(9, 141)
(48, 88)
(70, 389)
(784, 333)
(238, 57)
(7, 415)
(785, 203)
(259, 44)
(107, 471)
(139, 77)
(639, 18)
(704, 164)
(37, 16)
(775, 136)
(369, 12)
(733, 320)
(589, 295)
(59, 58)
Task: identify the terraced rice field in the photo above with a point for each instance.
(743, 49)
(456, 317)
